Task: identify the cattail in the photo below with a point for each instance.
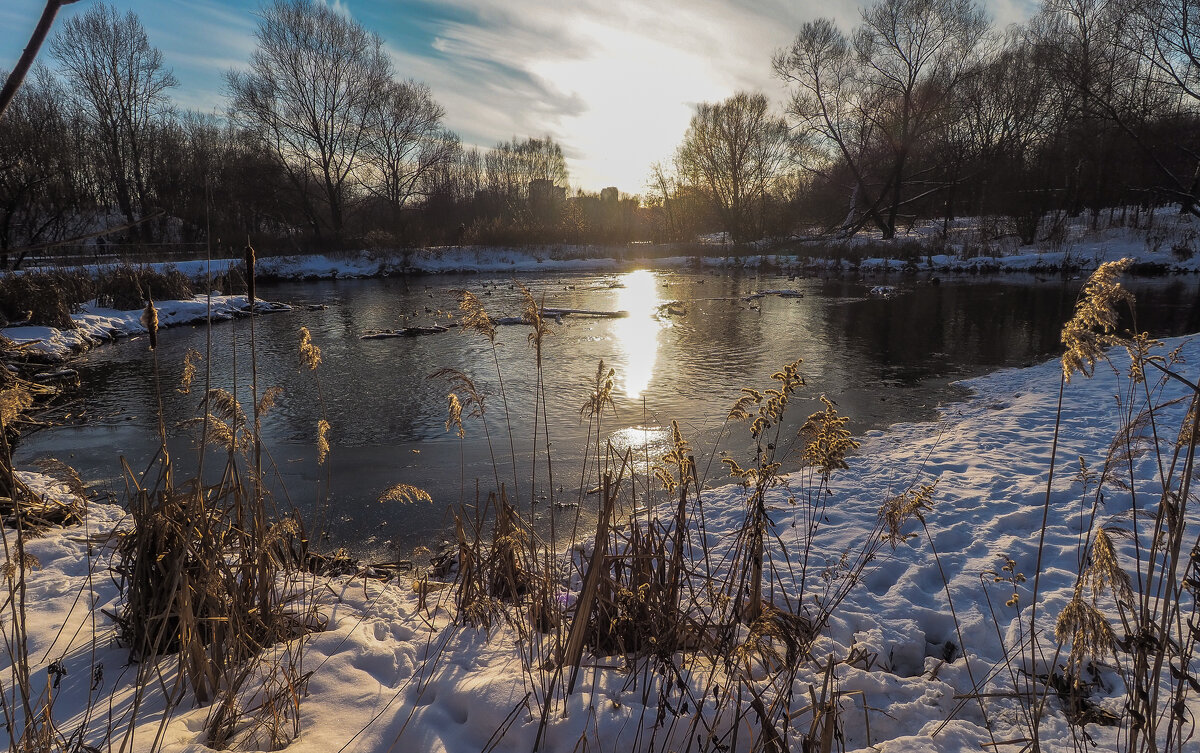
(150, 319)
(249, 251)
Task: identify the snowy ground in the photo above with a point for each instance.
(386, 676)
(96, 324)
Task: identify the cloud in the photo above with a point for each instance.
(613, 81)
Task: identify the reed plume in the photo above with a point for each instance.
(454, 419)
(474, 318)
(13, 402)
(601, 394)
(1093, 328)
(322, 441)
(1083, 626)
(406, 494)
(310, 354)
(190, 359)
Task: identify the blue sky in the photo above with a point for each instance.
(613, 81)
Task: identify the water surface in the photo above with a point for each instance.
(881, 359)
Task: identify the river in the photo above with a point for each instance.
(882, 359)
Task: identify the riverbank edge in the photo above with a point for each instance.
(95, 325)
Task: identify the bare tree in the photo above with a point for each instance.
(1165, 36)
(312, 91)
(511, 166)
(408, 144)
(883, 91)
(830, 103)
(733, 151)
(43, 185)
(119, 84)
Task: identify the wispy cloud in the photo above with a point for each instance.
(614, 81)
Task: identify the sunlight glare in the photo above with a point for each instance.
(637, 334)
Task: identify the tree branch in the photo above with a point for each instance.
(17, 76)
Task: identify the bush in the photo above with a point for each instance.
(41, 298)
(127, 287)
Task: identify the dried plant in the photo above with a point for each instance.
(1081, 625)
(322, 441)
(1104, 571)
(226, 406)
(405, 494)
(267, 401)
(531, 312)
(248, 253)
(1092, 329)
(14, 401)
(473, 317)
(150, 320)
(601, 394)
(190, 359)
(911, 504)
(454, 415)
(310, 354)
(826, 440)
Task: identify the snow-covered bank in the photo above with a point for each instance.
(1166, 242)
(96, 324)
(388, 676)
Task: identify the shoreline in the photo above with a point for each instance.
(96, 325)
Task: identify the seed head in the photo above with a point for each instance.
(322, 441)
(406, 494)
(310, 354)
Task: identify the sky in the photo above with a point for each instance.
(614, 82)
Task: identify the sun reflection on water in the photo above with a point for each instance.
(637, 334)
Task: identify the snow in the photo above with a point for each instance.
(96, 324)
(1166, 240)
(387, 676)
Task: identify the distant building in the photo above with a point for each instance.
(609, 195)
(542, 191)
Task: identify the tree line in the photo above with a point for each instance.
(924, 110)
